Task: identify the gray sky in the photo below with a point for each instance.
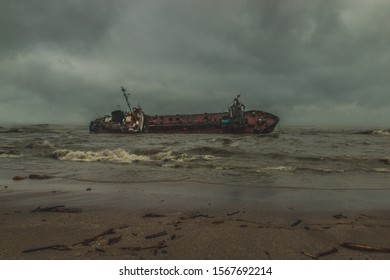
(312, 62)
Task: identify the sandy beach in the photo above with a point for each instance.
(57, 218)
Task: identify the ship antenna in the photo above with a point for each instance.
(126, 95)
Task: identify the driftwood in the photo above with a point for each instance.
(196, 215)
(52, 247)
(152, 215)
(320, 254)
(87, 242)
(296, 223)
(366, 248)
(160, 245)
(157, 234)
(233, 213)
(339, 216)
(39, 177)
(18, 178)
(114, 240)
(59, 208)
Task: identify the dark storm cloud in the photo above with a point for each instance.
(309, 61)
(72, 24)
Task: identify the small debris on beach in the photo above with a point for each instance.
(18, 178)
(159, 245)
(87, 242)
(114, 240)
(320, 254)
(59, 208)
(328, 252)
(233, 213)
(157, 234)
(197, 215)
(296, 223)
(339, 216)
(217, 222)
(52, 247)
(366, 248)
(88, 189)
(152, 215)
(39, 177)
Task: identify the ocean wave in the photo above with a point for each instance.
(385, 160)
(122, 156)
(277, 168)
(385, 170)
(376, 132)
(380, 132)
(169, 156)
(211, 151)
(283, 168)
(118, 155)
(9, 153)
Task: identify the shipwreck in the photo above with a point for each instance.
(234, 120)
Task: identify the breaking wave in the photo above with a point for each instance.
(376, 132)
(118, 155)
(277, 168)
(122, 156)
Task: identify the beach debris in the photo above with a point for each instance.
(327, 252)
(152, 215)
(243, 225)
(157, 234)
(114, 240)
(366, 248)
(339, 216)
(159, 245)
(233, 213)
(18, 178)
(39, 177)
(261, 225)
(59, 208)
(197, 215)
(217, 222)
(52, 247)
(100, 250)
(87, 242)
(296, 223)
(268, 255)
(320, 254)
(88, 189)
(173, 236)
(5, 187)
(309, 255)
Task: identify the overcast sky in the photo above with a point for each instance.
(315, 62)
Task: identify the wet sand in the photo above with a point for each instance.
(187, 220)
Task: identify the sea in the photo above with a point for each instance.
(309, 158)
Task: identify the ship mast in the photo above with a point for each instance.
(126, 95)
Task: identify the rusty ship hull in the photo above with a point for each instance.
(234, 120)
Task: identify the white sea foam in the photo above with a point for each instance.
(118, 155)
(277, 168)
(169, 156)
(380, 132)
(122, 156)
(381, 169)
(9, 156)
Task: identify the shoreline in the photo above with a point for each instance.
(191, 220)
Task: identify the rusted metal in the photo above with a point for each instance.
(234, 120)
